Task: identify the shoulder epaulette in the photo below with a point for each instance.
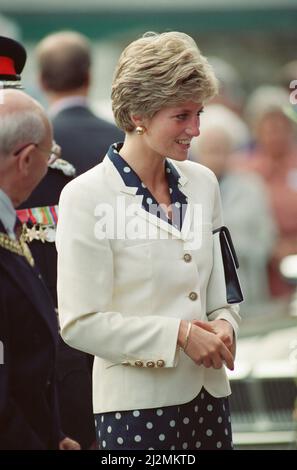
(64, 166)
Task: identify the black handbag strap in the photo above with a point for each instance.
(225, 231)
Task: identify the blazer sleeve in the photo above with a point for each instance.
(85, 290)
(231, 314)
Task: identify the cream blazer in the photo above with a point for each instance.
(122, 299)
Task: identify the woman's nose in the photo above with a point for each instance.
(194, 128)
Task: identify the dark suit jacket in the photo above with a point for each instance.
(29, 417)
(84, 137)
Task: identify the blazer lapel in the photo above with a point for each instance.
(187, 227)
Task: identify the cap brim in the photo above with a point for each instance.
(13, 49)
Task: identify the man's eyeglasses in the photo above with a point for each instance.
(53, 154)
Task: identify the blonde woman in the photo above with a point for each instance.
(135, 257)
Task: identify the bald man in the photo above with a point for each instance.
(28, 328)
(64, 62)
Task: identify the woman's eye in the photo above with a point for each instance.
(181, 116)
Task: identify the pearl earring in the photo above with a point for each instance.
(140, 130)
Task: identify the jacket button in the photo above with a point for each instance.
(160, 363)
(193, 296)
(150, 364)
(138, 363)
(187, 258)
(48, 383)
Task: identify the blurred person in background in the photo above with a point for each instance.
(274, 158)
(64, 62)
(245, 204)
(228, 103)
(231, 94)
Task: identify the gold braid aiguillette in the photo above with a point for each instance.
(19, 247)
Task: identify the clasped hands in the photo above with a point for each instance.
(210, 344)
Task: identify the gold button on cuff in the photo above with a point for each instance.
(160, 363)
(193, 296)
(125, 363)
(187, 258)
(150, 364)
(138, 363)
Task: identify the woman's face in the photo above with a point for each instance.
(170, 131)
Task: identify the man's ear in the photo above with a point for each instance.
(25, 159)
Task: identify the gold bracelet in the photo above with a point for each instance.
(187, 336)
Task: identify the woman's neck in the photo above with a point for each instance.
(149, 166)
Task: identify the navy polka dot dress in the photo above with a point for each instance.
(204, 423)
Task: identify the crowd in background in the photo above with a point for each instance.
(251, 147)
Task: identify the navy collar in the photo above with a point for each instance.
(149, 203)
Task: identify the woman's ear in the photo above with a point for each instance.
(25, 159)
(137, 120)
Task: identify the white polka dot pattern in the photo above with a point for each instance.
(200, 424)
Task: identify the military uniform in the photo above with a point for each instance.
(29, 411)
(74, 381)
(29, 414)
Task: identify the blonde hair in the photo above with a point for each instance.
(156, 71)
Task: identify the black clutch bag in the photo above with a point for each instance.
(223, 286)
